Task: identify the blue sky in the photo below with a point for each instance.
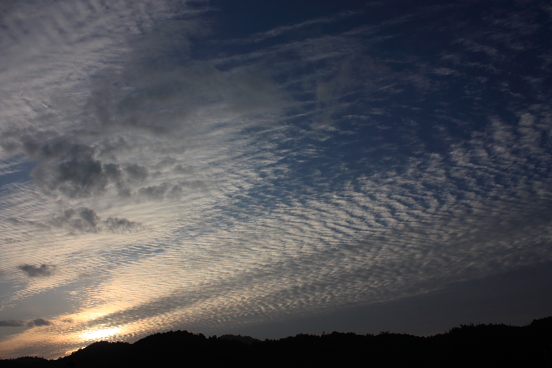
(271, 168)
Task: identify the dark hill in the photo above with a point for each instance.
(245, 339)
(468, 345)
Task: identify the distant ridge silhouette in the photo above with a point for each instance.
(245, 339)
(491, 345)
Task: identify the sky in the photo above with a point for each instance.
(271, 168)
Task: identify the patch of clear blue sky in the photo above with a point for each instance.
(19, 173)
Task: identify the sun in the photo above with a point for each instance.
(98, 334)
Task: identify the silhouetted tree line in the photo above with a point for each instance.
(492, 345)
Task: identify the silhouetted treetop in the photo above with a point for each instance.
(490, 345)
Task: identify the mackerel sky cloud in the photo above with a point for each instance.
(271, 168)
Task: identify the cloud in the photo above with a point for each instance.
(82, 220)
(179, 169)
(120, 225)
(12, 323)
(64, 165)
(164, 111)
(155, 100)
(77, 174)
(171, 92)
(422, 179)
(39, 322)
(171, 191)
(165, 162)
(43, 270)
(18, 222)
(136, 172)
(293, 28)
(85, 220)
(154, 192)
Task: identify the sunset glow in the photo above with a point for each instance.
(99, 334)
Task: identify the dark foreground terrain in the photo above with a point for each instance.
(465, 346)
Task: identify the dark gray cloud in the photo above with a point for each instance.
(154, 192)
(27, 140)
(113, 172)
(76, 170)
(73, 170)
(80, 178)
(120, 225)
(82, 220)
(12, 323)
(179, 169)
(43, 270)
(39, 322)
(136, 172)
(85, 220)
(64, 164)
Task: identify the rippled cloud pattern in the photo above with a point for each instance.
(169, 165)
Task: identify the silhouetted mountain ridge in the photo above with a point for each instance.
(245, 339)
(491, 345)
